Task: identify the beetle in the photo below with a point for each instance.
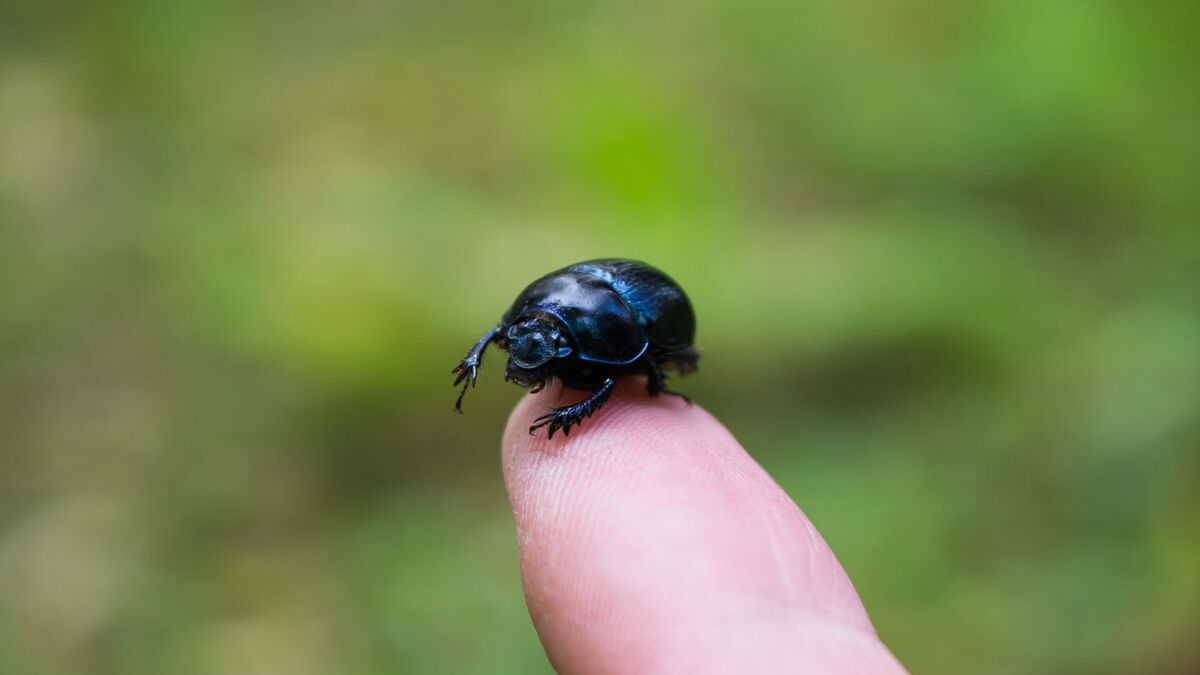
(586, 325)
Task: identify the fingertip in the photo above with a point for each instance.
(651, 523)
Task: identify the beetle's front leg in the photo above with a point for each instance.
(564, 417)
(468, 368)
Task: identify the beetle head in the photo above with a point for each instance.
(533, 345)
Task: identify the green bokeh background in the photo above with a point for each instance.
(943, 255)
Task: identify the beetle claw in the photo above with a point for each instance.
(572, 415)
(468, 368)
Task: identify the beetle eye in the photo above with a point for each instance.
(562, 346)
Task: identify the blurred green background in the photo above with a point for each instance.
(943, 254)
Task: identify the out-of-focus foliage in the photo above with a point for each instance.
(944, 257)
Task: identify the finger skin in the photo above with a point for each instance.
(651, 542)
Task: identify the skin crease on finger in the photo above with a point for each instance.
(651, 542)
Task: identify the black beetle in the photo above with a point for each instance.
(587, 324)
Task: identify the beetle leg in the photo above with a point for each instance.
(468, 368)
(656, 381)
(564, 417)
(685, 360)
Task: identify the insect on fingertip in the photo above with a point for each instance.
(586, 325)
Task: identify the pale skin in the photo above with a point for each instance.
(651, 542)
